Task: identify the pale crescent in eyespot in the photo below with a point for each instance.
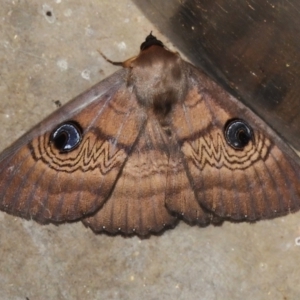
(155, 143)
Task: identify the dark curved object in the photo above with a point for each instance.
(66, 137)
(238, 134)
(252, 48)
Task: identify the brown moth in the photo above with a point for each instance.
(156, 142)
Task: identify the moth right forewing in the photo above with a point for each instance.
(256, 182)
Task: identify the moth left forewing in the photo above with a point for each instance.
(256, 182)
(41, 181)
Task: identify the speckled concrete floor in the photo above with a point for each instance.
(53, 56)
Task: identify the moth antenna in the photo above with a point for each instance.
(124, 64)
(115, 63)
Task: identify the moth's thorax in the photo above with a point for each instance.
(158, 78)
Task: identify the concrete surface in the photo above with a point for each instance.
(48, 52)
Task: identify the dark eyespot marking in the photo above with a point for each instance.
(66, 137)
(238, 134)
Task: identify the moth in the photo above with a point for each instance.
(155, 143)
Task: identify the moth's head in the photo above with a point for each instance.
(158, 76)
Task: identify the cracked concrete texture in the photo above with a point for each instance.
(48, 52)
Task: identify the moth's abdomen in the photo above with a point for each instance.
(137, 203)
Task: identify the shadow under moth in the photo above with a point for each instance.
(156, 142)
